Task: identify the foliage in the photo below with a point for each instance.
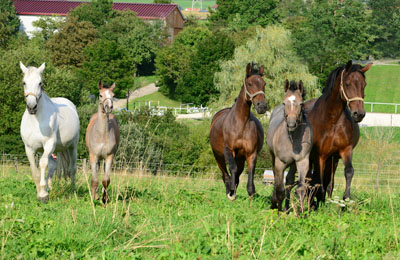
(326, 36)
(173, 61)
(187, 218)
(240, 14)
(386, 21)
(138, 40)
(162, 1)
(97, 12)
(272, 48)
(197, 84)
(9, 22)
(47, 25)
(66, 47)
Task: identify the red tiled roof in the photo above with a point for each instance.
(62, 7)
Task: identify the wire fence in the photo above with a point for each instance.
(374, 174)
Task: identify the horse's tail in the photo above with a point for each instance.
(63, 164)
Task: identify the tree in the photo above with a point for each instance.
(271, 47)
(162, 1)
(240, 14)
(9, 22)
(137, 39)
(97, 12)
(48, 25)
(197, 84)
(386, 23)
(172, 61)
(66, 47)
(331, 33)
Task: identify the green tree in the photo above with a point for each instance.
(197, 84)
(9, 22)
(97, 12)
(172, 61)
(48, 25)
(271, 47)
(240, 14)
(67, 45)
(331, 33)
(162, 1)
(386, 23)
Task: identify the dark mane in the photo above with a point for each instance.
(255, 69)
(330, 83)
(293, 86)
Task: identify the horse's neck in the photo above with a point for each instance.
(102, 121)
(334, 105)
(242, 108)
(45, 106)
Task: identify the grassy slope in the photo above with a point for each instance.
(156, 96)
(382, 86)
(159, 218)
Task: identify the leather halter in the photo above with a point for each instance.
(250, 94)
(101, 103)
(348, 100)
(33, 94)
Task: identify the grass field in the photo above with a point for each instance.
(184, 218)
(156, 96)
(383, 87)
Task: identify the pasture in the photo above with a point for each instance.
(382, 86)
(188, 218)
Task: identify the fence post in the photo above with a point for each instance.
(395, 109)
(84, 165)
(16, 164)
(372, 107)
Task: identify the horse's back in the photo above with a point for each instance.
(68, 119)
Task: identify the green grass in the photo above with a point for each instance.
(143, 81)
(156, 96)
(171, 218)
(382, 86)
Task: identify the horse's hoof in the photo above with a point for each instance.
(43, 199)
(231, 198)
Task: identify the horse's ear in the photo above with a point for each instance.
(261, 71)
(100, 84)
(286, 85)
(301, 86)
(248, 68)
(41, 68)
(23, 68)
(348, 65)
(112, 86)
(366, 68)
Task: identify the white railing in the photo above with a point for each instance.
(156, 109)
(379, 103)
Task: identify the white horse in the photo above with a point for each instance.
(48, 126)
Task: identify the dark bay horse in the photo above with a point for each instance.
(334, 117)
(289, 139)
(237, 136)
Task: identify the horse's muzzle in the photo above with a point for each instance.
(261, 107)
(32, 110)
(291, 123)
(358, 116)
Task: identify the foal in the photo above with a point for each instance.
(102, 139)
(237, 136)
(289, 139)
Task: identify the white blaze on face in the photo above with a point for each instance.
(292, 98)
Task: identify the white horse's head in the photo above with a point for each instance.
(32, 86)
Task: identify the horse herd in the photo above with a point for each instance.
(308, 137)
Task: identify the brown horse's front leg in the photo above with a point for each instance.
(251, 166)
(347, 156)
(233, 168)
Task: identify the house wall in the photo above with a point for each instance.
(27, 23)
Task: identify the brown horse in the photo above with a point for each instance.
(237, 136)
(334, 117)
(102, 139)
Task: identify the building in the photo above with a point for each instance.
(31, 10)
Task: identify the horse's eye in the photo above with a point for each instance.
(101, 96)
(24, 83)
(40, 84)
(249, 84)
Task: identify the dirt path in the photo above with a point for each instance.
(151, 88)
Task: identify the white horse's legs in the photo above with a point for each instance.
(106, 179)
(30, 153)
(52, 168)
(72, 151)
(44, 161)
(95, 179)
